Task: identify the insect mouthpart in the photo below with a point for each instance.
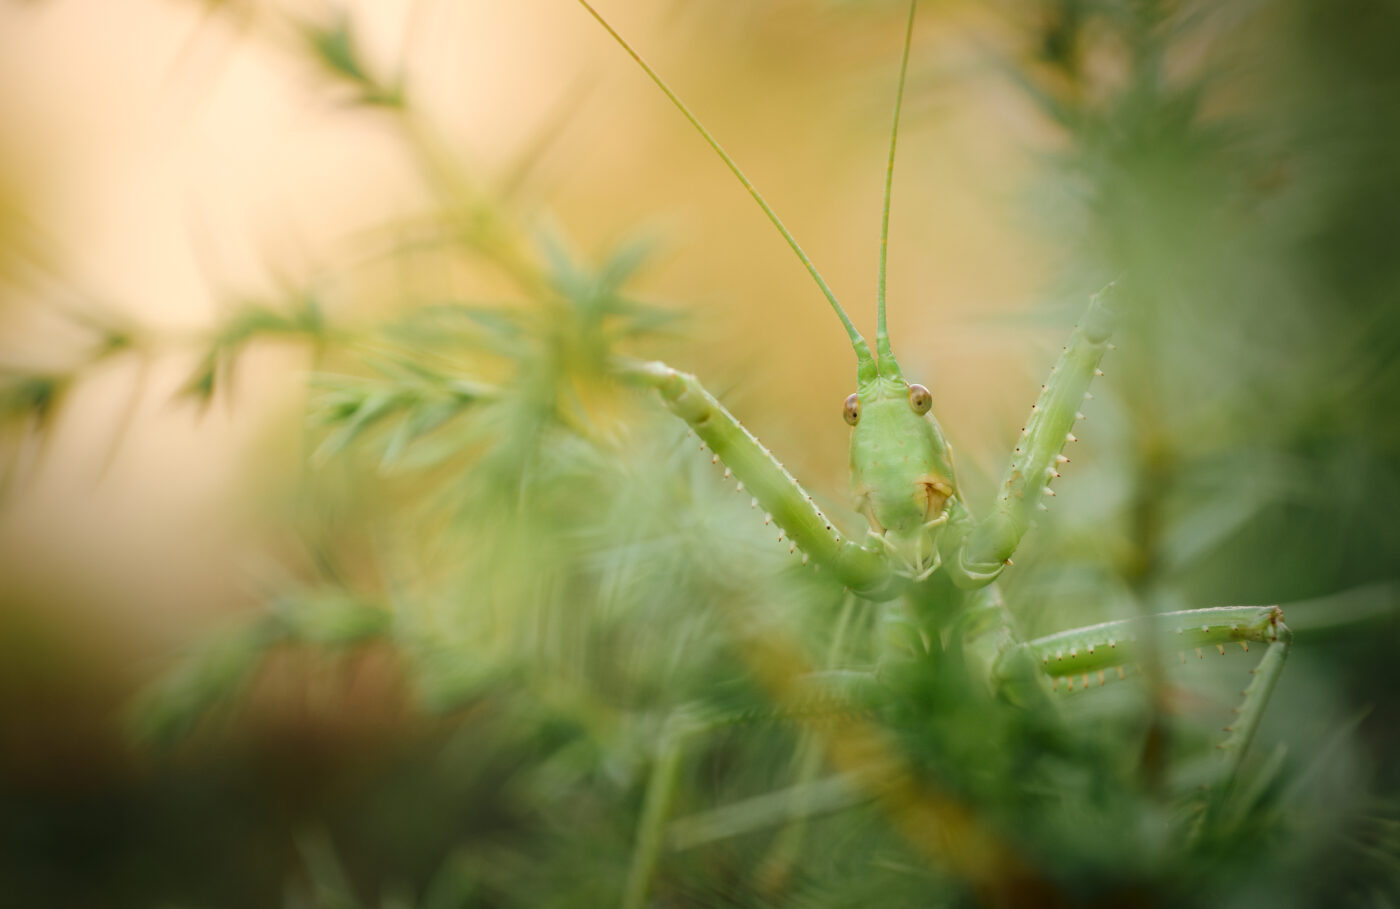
(935, 492)
(915, 555)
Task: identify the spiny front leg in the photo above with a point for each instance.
(1038, 453)
(785, 502)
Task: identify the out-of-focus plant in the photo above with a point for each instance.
(568, 582)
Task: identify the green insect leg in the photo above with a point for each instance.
(1256, 698)
(1038, 454)
(784, 501)
(1071, 657)
(1076, 658)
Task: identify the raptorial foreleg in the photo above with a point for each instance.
(1038, 455)
(785, 502)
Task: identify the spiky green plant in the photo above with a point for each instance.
(648, 698)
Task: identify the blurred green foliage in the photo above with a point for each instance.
(568, 589)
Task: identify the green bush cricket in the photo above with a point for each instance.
(903, 483)
(950, 723)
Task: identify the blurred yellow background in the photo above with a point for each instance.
(163, 158)
(341, 566)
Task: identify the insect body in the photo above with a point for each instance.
(919, 526)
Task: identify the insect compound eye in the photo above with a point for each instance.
(920, 400)
(851, 409)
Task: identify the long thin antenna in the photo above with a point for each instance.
(861, 348)
(882, 335)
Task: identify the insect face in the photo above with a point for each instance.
(901, 470)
